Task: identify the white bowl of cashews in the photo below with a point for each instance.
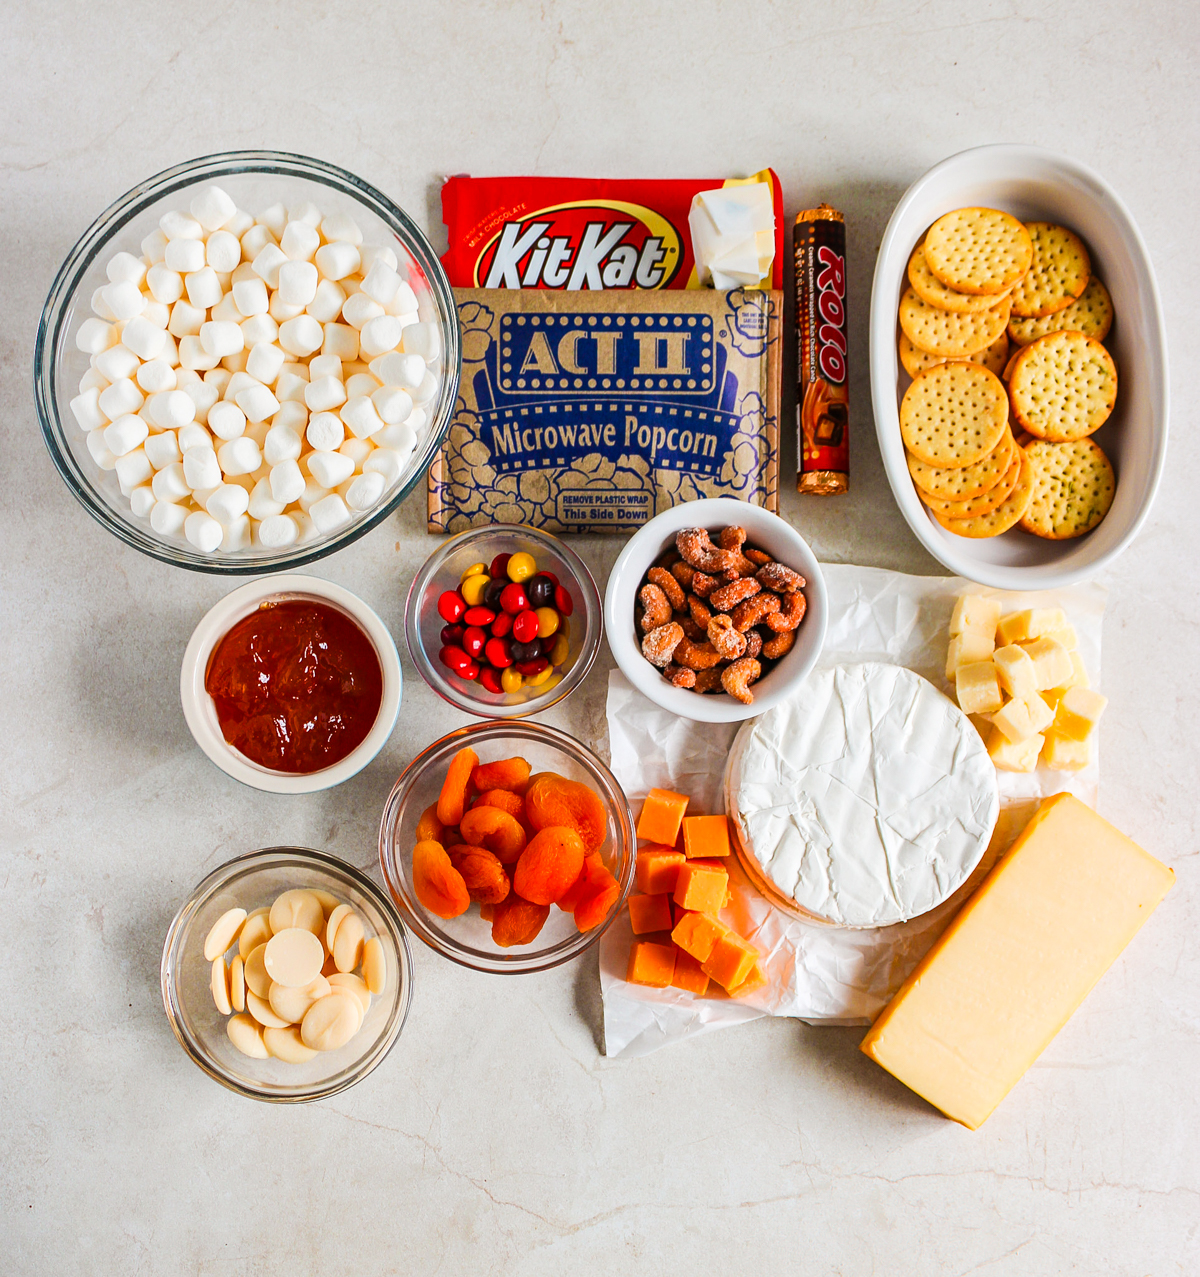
(764, 530)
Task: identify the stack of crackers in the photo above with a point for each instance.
(980, 284)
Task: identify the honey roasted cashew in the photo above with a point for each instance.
(669, 586)
(777, 645)
(728, 641)
(657, 607)
(791, 612)
(753, 610)
(729, 596)
(736, 678)
(696, 656)
(659, 645)
(696, 547)
(679, 676)
(781, 579)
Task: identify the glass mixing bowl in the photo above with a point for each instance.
(255, 180)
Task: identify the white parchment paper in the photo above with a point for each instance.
(815, 973)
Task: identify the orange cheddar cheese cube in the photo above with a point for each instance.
(697, 933)
(689, 975)
(705, 836)
(658, 870)
(651, 964)
(661, 815)
(755, 980)
(701, 886)
(731, 960)
(650, 913)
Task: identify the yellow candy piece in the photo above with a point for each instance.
(558, 653)
(521, 567)
(511, 680)
(476, 569)
(536, 680)
(472, 589)
(552, 681)
(547, 621)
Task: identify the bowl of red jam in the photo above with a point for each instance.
(291, 684)
(503, 621)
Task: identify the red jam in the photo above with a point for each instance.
(297, 686)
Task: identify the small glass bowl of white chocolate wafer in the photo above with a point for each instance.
(246, 362)
(287, 975)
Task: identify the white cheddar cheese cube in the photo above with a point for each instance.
(965, 648)
(1078, 713)
(1019, 627)
(1051, 662)
(1017, 672)
(1023, 717)
(1061, 754)
(978, 688)
(1009, 756)
(974, 612)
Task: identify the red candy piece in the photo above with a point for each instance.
(451, 606)
(480, 616)
(562, 600)
(498, 652)
(502, 625)
(472, 671)
(473, 641)
(490, 679)
(499, 566)
(454, 658)
(525, 626)
(529, 668)
(513, 599)
(546, 572)
(452, 635)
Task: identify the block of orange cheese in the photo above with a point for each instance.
(755, 980)
(701, 886)
(731, 960)
(696, 933)
(689, 975)
(649, 913)
(661, 814)
(1023, 953)
(658, 870)
(705, 836)
(650, 963)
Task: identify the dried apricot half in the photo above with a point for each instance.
(439, 886)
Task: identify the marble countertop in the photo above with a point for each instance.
(497, 1138)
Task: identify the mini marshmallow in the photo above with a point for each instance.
(337, 260)
(282, 311)
(141, 501)
(230, 501)
(360, 415)
(194, 435)
(327, 303)
(156, 375)
(185, 319)
(281, 444)
(121, 397)
(291, 414)
(94, 336)
(255, 240)
(259, 328)
(325, 366)
(340, 226)
(365, 490)
(398, 369)
(265, 362)
(203, 531)
(301, 336)
(178, 225)
(385, 462)
(167, 518)
(124, 299)
(125, 434)
(381, 282)
(262, 504)
(330, 468)
(277, 531)
(236, 535)
(212, 207)
(361, 383)
(237, 383)
(380, 334)
(203, 288)
(100, 454)
(290, 387)
(204, 395)
(170, 483)
(201, 495)
(341, 341)
(267, 263)
(325, 432)
(125, 266)
(239, 456)
(154, 246)
(162, 450)
(306, 212)
(275, 218)
(92, 380)
(401, 439)
(116, 362)
(171, 409)
(422, 339)
(220, 338)
(100, 306)
(226, 311)
(287, 483)
(313, 492)
(297, 282)
(218, 378)
(223, 251)
(359, 309)
(307, 531)
(427, 390)
(257, 402)
(299, 241)
(404, 305)
(132, 470)
(239, 223)
(372, 253)
(324, 393)
(358, 450)
(227, 421)
(329, 514)
(86, 407)
(392, 404)
(185, 255)
(201, 468)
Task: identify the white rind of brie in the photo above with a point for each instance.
(867, 797)
(733, 235)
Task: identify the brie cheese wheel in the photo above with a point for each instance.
(867, 797)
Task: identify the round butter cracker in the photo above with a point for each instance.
(930, 289)
(994, 357)
(1063, 386)
(1006, 515)
(1073, 491)
(953, 414)
(1091, 314)
(978, 250)
(985, 503)
(1058, 274)
(941, 332)
(965, 482)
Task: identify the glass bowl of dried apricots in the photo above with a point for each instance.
(508, 847)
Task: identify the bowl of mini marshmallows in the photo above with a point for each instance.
(247, 362)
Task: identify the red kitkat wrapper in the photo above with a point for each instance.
(577, 232)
